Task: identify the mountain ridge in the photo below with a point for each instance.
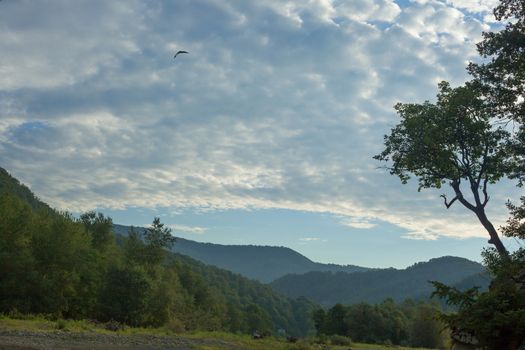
(262, 263)
(373, 286)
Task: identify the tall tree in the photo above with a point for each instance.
(455, 142)
(99, 228)
(157, 238)
(502, 74)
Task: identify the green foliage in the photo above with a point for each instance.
(16, 259)
(54, 264)
(502, 76)
(516, 222)
(335, 320)
(496, 317)
(257, 319)
(340, 340)
(61, 324)
(99, 228)
(11, 186)
(425, 329)
(157, 239)
(124, 296)
(386, 323)
(451, 140)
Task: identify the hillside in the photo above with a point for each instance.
(54, 264)
(262, 263)
(10, 185)
(327, 288)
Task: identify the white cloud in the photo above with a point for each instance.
(478, 6)
(280, 104)
(368, 10)
(362, 223)
(189, 229)
(309, 239)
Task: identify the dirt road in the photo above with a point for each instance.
(63, 340)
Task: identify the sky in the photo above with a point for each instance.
(263, 133)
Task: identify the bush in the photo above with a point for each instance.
(340, 340)
(175, 325)
(113, 326)
(301, 345)
(321, 339)
(61, 324)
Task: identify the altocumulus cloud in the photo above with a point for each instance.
(280, 104)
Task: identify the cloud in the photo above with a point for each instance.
(280, 104)
(309, 239)
(189, 229)
(359, 222)
(475, 6)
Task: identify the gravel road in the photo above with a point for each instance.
(61, 340)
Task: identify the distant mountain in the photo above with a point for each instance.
(262, 263)
(10, 185)
(373, 286)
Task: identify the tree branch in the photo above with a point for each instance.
(455, 185)
(486, 196)
(448, 205)
(485, 155)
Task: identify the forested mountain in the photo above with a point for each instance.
(374, 286)
(263, 263)
(9, 184)
(62, 266)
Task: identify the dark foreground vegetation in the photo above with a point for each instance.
(408, 324)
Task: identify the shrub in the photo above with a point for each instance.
(340, 340)
(175, 325)
(61, 324)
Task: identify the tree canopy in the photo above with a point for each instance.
(454, 141)
(490, 123)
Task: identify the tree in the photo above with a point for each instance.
(502, 76)
(335, 320)
(124, 296)
(99, 227)
(453, 141)
(425, 329)
(157, 238)
(16, 259)
(319, 317)
(148, 248)
(257, 319)
(497, 317)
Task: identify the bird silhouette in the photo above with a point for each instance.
(178, 52)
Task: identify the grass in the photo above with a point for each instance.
(214, 340)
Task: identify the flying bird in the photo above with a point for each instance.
(178, 52)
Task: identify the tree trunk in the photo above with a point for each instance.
(494, 237)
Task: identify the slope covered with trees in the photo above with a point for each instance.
(262, 263)
(9, 184)
(377, 285)
(58, 265)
